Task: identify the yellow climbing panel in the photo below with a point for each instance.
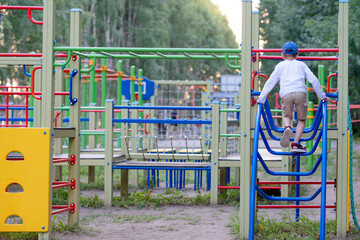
(24, 179)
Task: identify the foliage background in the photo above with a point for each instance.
(126, 23)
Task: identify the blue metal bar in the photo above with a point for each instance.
(290, 153)
(26, 73)
(172, 121)
(332, 95)
(323, 173)
(297, 188)
(16, 119)
(278, 129)
(254, 171)
(163, 107)
(65, 120)
(268, 128)
(303, 199)
(267, 170)
(160, 168)
(72, 100)
(16, 108)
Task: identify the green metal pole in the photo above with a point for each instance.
(322, 80)
(31, 103)
(140, 98)
(67, 87)
(308, 90)
(93, 96)
(329, 118)
(103, 87)
(140, 87)
(321, 75)
(92, 83)
(85, 96)
(132, 84)
(119, 83)
(309, 122)
(119, 95)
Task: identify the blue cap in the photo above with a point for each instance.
(290, 48)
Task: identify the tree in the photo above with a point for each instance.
(311, 24)
(126, 23)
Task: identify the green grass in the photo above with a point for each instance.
(64, 228)
(288, 229)
(91, 202)
(146, 199)
(18, 236)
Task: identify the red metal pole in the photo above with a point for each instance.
(27, 109)
(71, 159)
(300, 50)
(22, 7)
(238, 187)
(33, 83)
(292, 182)
(301, 58)
(7, 108)
(32, 19)
(70, 208)
(293, 206)
(59, 184)
(28, 55)
(19, 93)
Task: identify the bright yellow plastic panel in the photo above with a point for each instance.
(32, 173)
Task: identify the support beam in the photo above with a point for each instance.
(74, 116)
(245, 118)
(48, 87)
(215, 152)
(342, 119)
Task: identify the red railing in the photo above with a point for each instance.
(293, 206)
(7, 105)
(70, 208)
(60, 184)
(29, 8)
(300, 50)
(70, 159)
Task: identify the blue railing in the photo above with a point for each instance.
(264, 111)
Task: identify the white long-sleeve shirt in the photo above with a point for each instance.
(292, 75)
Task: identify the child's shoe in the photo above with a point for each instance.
(285, 139)
(298, 148)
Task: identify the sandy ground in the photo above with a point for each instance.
(175, 222)
(179, 222)
(183, 222)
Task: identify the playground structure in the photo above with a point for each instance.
(249, 128)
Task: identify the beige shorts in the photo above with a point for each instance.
(297, 99)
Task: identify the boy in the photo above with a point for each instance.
(292, 73)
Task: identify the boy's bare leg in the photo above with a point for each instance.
(287, 121)
(285, 138)
(299, 130)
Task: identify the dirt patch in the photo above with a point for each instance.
(174, 222)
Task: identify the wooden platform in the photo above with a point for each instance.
(90, 159)
(234, 159)
(162, 165)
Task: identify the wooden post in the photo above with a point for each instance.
(92, 143)
(47, 88)
(109, 152)
(134, 142)
(342, 119)
(245, 118)
(124, 186)
(59, 101)
(215, 152)
(223, 144)
(74, 118)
